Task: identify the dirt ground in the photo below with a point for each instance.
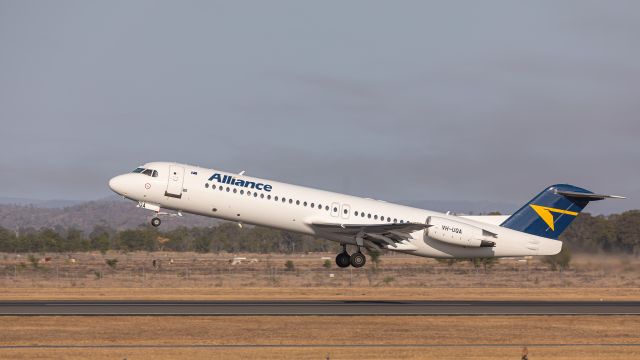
(463, 337)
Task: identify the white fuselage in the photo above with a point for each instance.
(294, 208)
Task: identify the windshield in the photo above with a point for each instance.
(148, 172)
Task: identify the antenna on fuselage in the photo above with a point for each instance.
(241, 173)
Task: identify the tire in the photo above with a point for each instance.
(156, 222)
(358, 260)
(343, 260)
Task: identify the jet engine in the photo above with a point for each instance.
(457, 233)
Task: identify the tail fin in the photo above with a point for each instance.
(550, 212)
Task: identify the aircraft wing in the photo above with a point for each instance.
(383, 235)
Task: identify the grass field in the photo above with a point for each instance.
(190, 276)
(564, 337)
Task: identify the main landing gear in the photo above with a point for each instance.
(356, 259)
(156, 221)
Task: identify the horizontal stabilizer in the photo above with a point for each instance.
(590, 197)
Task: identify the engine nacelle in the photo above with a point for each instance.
(457, 233)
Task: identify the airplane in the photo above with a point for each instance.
(354, 221)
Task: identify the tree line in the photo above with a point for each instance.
(618, 233)
(226, 237)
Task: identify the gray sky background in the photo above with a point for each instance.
(451, 100)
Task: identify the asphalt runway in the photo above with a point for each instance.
(351, 308)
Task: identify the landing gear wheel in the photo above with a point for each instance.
(156, 222)
(343, 260)
(358, 260)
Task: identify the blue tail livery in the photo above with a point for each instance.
(550, 212)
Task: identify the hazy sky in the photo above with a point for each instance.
(475, 100)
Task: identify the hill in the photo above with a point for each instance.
(116, 214)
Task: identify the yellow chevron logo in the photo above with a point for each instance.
(546, 215)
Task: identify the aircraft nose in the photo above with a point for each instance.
(117, 184)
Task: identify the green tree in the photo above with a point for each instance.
(100, 239)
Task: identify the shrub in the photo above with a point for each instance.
(289, 266)
(112, 263)
(560, 261)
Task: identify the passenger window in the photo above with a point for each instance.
(213, 186)
(375, 217)
(369, 216)
(235, 191)
(355, 213)
(275, 198)
(326, 207)
(284, 200)
(206, 185)
(241, 191)
(395, 221)
(305, 203)
(388, 219)
(248, 193)
(290, 201)
(313, 205)
(345, 211)
(361, 214)
(297, 202)
(261, 196)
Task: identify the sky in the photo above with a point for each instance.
(411, 100)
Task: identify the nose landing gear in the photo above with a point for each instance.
(155, 222)
(356, 259)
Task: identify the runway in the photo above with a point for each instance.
(309, 308)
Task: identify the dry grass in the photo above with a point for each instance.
(210, 277)
(485, 353)
(320, 293)
(455, 335)
(192, 276)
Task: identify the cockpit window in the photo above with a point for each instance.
(155, 173)
(138, 170)
(148, 172)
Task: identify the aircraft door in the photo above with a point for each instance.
(346, 209)
(335, 209)
(175, 182)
